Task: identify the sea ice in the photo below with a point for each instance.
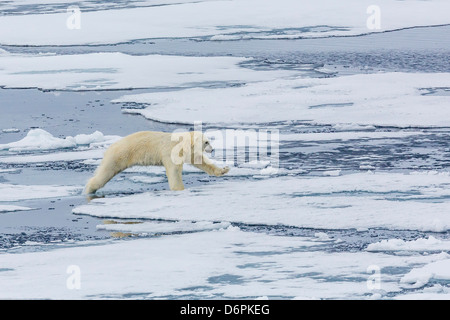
(360, 200)
(115, 70)
(39, 139)
(420, 276)
(218, 20)
(365, 100)
(162, 227)
(11, 208)
(13, 192)
(227, 263)
(430, 244)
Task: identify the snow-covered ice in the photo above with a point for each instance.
(162, 227)
(437, 270)
(217, 20)
(383, 99)
(38, 139)
(11, 208)
(429, 244)
(215, 264)
(363, 200)
(12, 192)
(115, 70)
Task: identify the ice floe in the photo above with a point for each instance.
(147, 228)
(360, 200)
(12, 208)
(427, 245)
(436, 270)
(13, 192)
(227, 263)
(216, 20)
(115, 70)
(39, 139)
(385, 99)
(86, 155)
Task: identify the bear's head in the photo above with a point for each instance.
(199, 144)
(189, 147)
(201, 141)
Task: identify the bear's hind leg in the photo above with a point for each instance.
(101, 177)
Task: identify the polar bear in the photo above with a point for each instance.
(146, 148)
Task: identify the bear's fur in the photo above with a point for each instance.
(147, 148)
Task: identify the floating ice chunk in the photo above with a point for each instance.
(163, 227)
(12, 192)
(97, 136)
(344, 136)
(434, 292)
(12, 170)
(322, 236)
(437, 270)
(332, 173)
(39, 139)
(352, 127)
(145, 179)
(366, 167)
(11, 208)
(54, 157)
(255, 164)
(269, 170)
(429, 244)
(10, 130)
(94, 162)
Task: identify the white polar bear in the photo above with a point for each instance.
(146, 148)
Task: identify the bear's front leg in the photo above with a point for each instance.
(221, 171)
(210, 168)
